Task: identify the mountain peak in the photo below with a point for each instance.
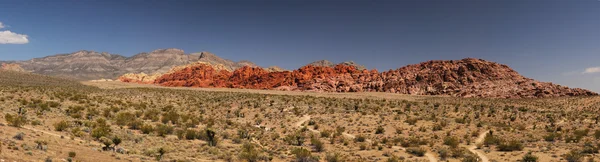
(352, 63)
(168, 51)
(324, 63)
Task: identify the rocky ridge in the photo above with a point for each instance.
(91, 65)
(462, 78)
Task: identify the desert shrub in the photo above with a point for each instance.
(444, 153)
(529, 158)
(163, 130)
(101, 129)
(107, 142)
(363, 146)
(294, 139)
(147, 129)
(72, 154)
(470, 158)
(412, 121)
(325, 133)
(379, 130)
(437, 127)
(412, 142)
(116, 140)
(249, 153)
(317, 144)
(458, 152)
(589, 148)
(512, 145)
(135, 124)
(190, 134)
(393, 159)
(360, 138)
(451, 141)
(574, 156)
(334, 157)
(19, 136)
(152, 114)
(417, 151)
(161, 152)
(551, 137)
(124, 118)
(15, 120)
(171, 116)
(303, 155)
(490, 140)
(61, 125)
(36, 122)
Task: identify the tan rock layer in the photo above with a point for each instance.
(12, 67)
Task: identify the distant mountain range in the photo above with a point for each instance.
(90, 65)
(172, 67)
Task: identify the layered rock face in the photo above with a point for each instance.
(462, 78)
(90, 65)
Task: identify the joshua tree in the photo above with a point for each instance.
(212, 141)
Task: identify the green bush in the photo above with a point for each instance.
(379, 130)
(319, 147)
(325, 133)
(15, 120)
(249, 153)
(303, 155)
(163, 130)
(574, 156)
(529, 158)
(512, 145)
(124, 118)
(334, 157)
(417, 151)
(61, 126)
(360, 138)
(451, 141)
(147, 129)
(551, 137)
(72, 154)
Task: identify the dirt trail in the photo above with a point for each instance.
(302, 120)
(473, 148)
(50, 133)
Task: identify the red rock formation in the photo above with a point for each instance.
(463, 78)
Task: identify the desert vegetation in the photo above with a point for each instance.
(46, 118)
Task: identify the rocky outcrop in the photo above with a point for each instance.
(470, 78)
(275, 69)
(141, 78)
(12, 67)
(90, 65)
(144, 78)
(462, 78)
(323, 63)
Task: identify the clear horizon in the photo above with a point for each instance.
(551, 41)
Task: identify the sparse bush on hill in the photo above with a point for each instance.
(15, 120)
(303, 155)
(417, 151)
(61, 125)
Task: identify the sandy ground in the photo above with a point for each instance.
(370, 95)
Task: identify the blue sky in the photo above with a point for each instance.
(548, 40)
